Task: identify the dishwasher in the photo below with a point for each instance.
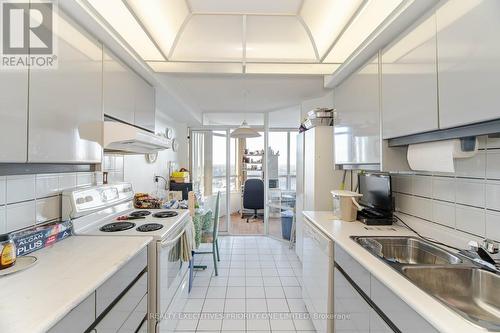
(317, 274)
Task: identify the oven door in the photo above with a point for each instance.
(171, 268)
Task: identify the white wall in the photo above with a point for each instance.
(140, 173)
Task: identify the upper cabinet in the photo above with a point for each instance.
(13, 116)
(126, 96)
(468, 61)
(144, 112)
(65, 104)
(119, 84)
(357, 127)
(409, 82)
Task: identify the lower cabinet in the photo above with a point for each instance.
(125, 312)
(352, 313)
(78, 319)
(404, 317)
(364, 304)
(378, 324)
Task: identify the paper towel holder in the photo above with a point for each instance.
(468, 143)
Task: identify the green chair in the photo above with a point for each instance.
(211, 236)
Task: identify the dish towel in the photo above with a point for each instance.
(188, 242)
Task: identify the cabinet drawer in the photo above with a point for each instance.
(135, 319)
(125, 307)
(78, 319)
(110, 289)
(355, 271)
(351, 310)
(404, 317)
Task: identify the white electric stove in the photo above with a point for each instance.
(107, 210)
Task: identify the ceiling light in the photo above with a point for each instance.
(210, 38)
(277, 39)
(116, 13)
(244, 131)
(306, 69)
(196, 67)
(373, 14)
(326, 19)
(163, 19)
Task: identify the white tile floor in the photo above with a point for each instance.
(258, 289)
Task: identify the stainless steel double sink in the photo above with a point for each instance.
(454, 280)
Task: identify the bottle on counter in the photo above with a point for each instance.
(7, 251)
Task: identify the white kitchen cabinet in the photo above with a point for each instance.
(468, 53)
(65, 102)
(126, 96)
(13, 115)
(409, 82)
(144, 112)
(405, 318)
(125, 307)
(352, 312)
(78, 319)
(351, 267)
(119, 85)
(357, 127)
(112, 288)
(319, 175)
(377, 324)
(317, 277)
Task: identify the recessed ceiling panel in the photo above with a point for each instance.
(306, 69)
(162, 19)
(277, 39)
(210, 38)
(124, 23)
(195, 67)
(373, 14)
(326, 19)
(245, 6)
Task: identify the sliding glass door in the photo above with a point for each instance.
(281, 165)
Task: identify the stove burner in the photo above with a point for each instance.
(117, 226)
(149, 227)
(165, 214)
(140, 213)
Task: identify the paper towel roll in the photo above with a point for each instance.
(436, 156)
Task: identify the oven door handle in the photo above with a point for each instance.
(173, 241)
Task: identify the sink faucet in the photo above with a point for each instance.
(482, 253)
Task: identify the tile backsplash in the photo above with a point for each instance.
(466, 203)
(26, 200)
(113, 165)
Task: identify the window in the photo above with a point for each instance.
(219, 161)
(234, 165)
(282, 158)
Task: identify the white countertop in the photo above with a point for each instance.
(65, 274)
(442, 318)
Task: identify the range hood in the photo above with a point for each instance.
(115, 136)
(125, 138)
